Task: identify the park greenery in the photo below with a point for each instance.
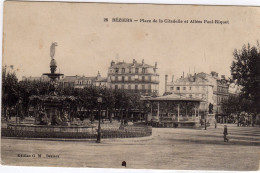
(15, 92)
(245, 73)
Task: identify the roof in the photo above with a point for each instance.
(127, 65)
(102, 79)
(196, 79)
(86, 78)
(173, 97)
(69, 78)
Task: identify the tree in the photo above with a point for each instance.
(10, 94)
(236, 104)
(231, 105)
(245, 71)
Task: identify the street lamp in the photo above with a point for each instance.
(99, 100)
(147, 105)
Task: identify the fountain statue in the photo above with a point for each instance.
(52, 109)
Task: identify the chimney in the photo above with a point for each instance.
(172, 78)
(143, 62)
(222, 76)
(155, 65)
(166, 79)
(194, 77)
(134, 61)
(183, 74)
(98, 76)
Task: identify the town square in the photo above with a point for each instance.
(147, 98)
(179, 149)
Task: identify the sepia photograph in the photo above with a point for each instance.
(135, 86)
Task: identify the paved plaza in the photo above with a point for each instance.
(167, 148)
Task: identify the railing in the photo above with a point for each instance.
(73, 132)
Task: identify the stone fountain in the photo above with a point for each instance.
(52, 113)
(52, 108)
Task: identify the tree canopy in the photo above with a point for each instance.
(245, 71)
(86, 98)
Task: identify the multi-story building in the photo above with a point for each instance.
(41, 79)
(68, 81)
(222, 93)
(83, 81)
(134, 77)
(199, 85)
(209, 87)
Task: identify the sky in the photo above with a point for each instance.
(87, 44)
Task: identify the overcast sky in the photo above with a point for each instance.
(87, 44)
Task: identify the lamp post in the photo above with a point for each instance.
(99, 100)
(147, 105)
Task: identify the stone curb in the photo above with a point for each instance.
(106, 140)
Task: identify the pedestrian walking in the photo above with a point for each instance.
(225, 133)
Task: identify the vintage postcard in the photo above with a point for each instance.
(142, 86)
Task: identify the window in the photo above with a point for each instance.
(150, 78)
(136, 87)
(129, 78)
(116, 79)
(149, 87)
(129, 87)
(116, 86)
(184, 88)
(143, 87)
(123, 78)
(123, 86)
(190, 95)
(143, 78)
(136, 70)
(177, 88)
(116, 70)
(143, 70)
(123, 70)
(130, 70)
(190, 88)
(171, 88)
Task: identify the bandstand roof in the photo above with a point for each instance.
(173, 97)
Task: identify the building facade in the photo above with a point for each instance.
(208, 87)
(222, 93)
(134, 77)
(199, 86)
(31, 79)
(83, 81)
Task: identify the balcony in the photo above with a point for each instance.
(134, 81)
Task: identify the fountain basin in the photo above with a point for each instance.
(47, 131)
(73, 132)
